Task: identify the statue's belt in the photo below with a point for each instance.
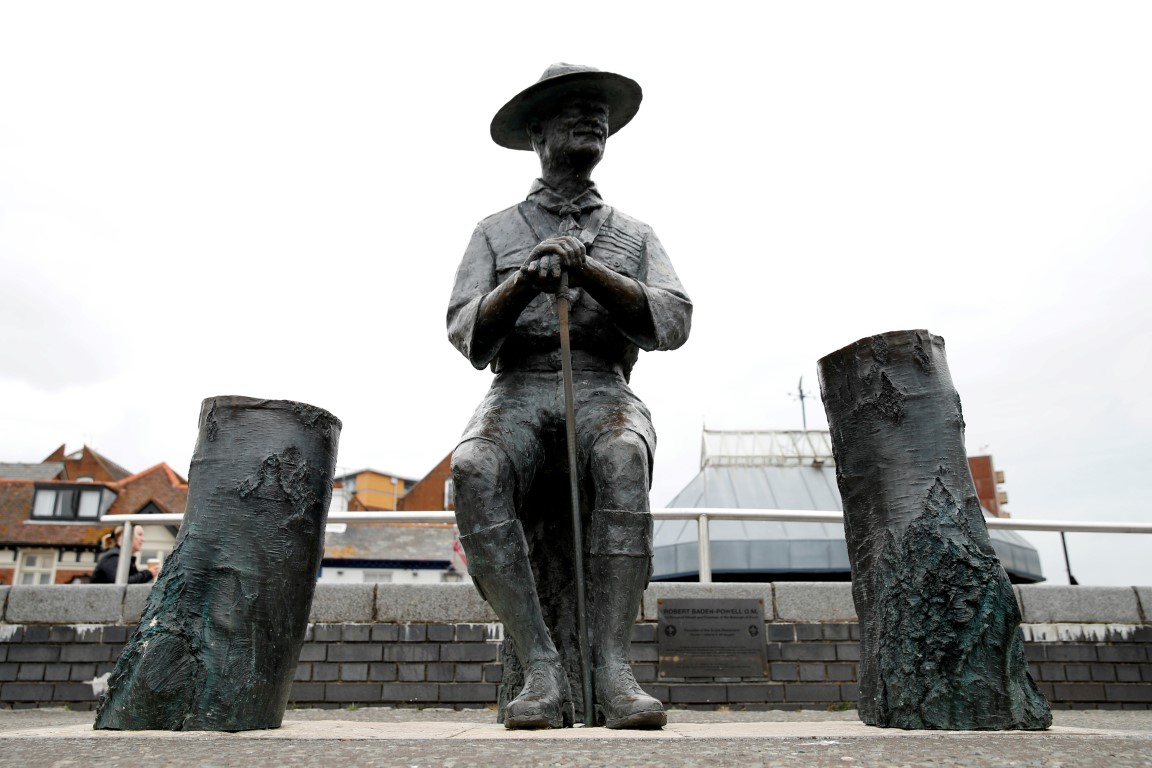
(550, 362)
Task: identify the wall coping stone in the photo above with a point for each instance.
(1043, 604)
(461, 604)
(135, 601)
(432, 603)
(64, 604)
(1144, 595)
(338, 603)
(814, 601)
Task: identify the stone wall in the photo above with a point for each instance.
(437, 645)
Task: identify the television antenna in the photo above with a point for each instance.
(801, 395)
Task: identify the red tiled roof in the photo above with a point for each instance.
(158, 485)
(173, 478)
(16, 526)
(88, 463)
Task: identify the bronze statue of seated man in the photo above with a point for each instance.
(624, 296)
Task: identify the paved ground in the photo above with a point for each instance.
(400, 737)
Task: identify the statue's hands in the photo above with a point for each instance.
(550, 259)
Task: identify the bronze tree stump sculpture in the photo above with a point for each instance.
(219, 640)
(940, 640)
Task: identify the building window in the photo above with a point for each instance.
(449, 494)
(37, 567)
(150, 509)
(71, 502)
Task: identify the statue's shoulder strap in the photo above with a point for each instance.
(541, 226)
(595, 221)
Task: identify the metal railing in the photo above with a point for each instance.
(702, 516)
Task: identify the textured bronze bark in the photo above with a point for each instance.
(219, 640)
(940, 628)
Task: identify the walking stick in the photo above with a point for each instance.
(574, 487)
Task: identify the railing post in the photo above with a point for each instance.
(126, 554)
(705, 544)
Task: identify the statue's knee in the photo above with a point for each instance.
(621, 445)
(477, 461)
(484, 486)
(620, 457)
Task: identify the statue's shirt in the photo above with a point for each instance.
(503, 241)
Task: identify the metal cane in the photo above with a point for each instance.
(574, 487)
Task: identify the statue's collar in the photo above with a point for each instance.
(548, 199)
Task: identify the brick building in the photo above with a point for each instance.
(433, 491)
(50, 527)
(394, 552)
(369, 490)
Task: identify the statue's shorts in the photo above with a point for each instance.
(523, 415)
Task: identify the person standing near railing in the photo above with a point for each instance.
(106, 566)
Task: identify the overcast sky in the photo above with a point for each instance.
(270, 199)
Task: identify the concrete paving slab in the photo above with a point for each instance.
(343, 730)
(375, 736)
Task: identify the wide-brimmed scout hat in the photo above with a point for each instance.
(510, 126)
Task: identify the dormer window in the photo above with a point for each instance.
(71, 502)
(150, 508)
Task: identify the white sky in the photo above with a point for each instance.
(270, 199)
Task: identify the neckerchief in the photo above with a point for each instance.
(548, 199)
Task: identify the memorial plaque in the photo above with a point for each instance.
(712, 638)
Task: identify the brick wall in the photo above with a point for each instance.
(418, 664)
(438, 645)
(42, 666)
(429, 492)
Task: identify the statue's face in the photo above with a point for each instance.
(579, 127)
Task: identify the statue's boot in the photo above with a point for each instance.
(544, 702)
(499, 566)
(620, 564)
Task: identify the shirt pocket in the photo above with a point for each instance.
(618, 251)
(510, 260)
